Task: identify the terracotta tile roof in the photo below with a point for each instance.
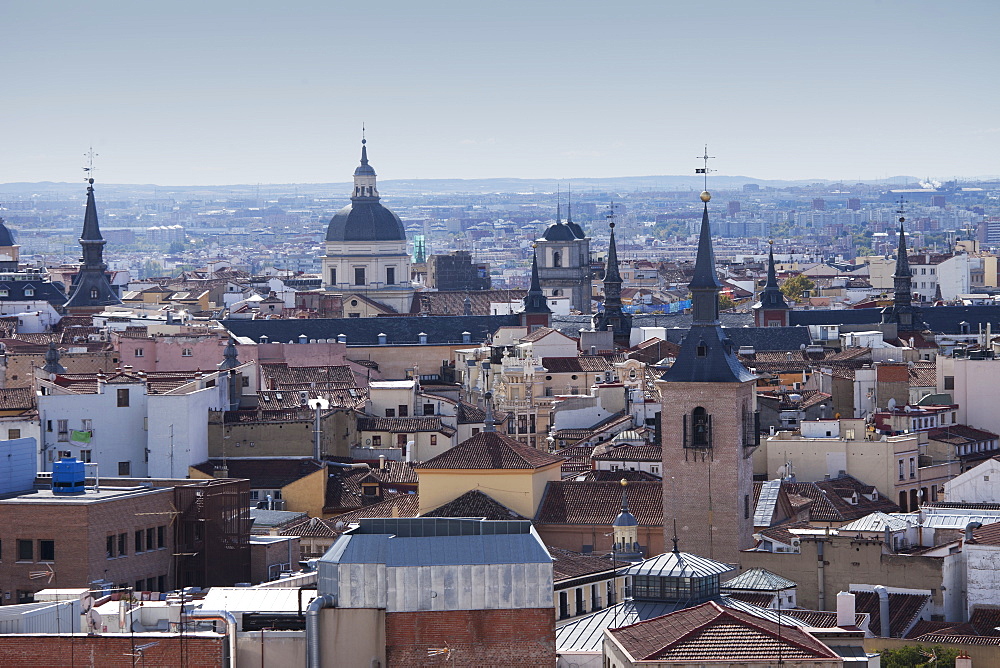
(567, 564)
(491, 450)
(582, 364)
(985, 621)
(475, 504)
(612, 476)
(960, 434)
(821, 619)
(709, 632)
(829, 506)
(467, 413)
(753, 598)
(653, 350)
(538, 334)
(283, 377)
(17, 399)
(570, 502)
(987, 535)
(923, 374)
(924, 626)
(583, 434)
(393, 472)
(398, 505)
(290, 399)
(264, 473)
(452, 302)
(959, 639)
(903, 610)
(405, 425)
(310, 527)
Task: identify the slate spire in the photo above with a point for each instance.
(902, 277)
(771, 297)
(91, 288)
(704, 285)
(535, 301)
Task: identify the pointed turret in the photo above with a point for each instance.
(626, 531)
(902, 277)
(612, 315)
(706, 355)
(91, 288)
(365, 179)
(536, 307)
(772, 309)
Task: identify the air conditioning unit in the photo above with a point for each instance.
(796, 542)
(303, 397)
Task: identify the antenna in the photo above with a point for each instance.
(705, 170)
(89, 169)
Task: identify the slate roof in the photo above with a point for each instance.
(939, 319)
(719, 364)
(264, 473)
(397, 505)
(467, 413)
(41, 290)
(475, 503)
(633, 453)
(17, 399)
(452, 302)
(491, 450)
(365, 331)
(405, 424)
(710, 632)
(571, 502)
(365, 219)
(567, 564)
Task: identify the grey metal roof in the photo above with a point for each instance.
(878, 521)
(365, 219)
(719, 364)
(679, 565)
(758, 579)
(558, 232)
(769, 492)
(959, 521)
(365, 331)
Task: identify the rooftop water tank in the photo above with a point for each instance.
(68, 476)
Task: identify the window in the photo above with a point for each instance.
(29, 292)
(110, 547)
(353, 315)
(428, 409)
(359, 276)
(87, 424)
(65, 454)
(187, 352)
(122, 544)
(137, 548)
(123, 397)
(150, 538)
(557, 259)
(46, 550)
(390, 276)
(86, 456)
(333, 276)
(949, 382)
(913, 467)
(160, 542)
(254, 495)
(13, 433)
(139, 352)
(63, 429)
(902, 475)
(654, 469)
(25, 550)
(93, 293)
(404, 411)
(161, 582)
(390, 412)
(124, 468)
(376, 441)
(434, 439)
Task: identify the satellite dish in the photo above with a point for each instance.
(892, 404)
(94, 621)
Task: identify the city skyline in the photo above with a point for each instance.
(253, 93)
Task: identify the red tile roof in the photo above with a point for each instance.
(582, 364)
(405, 425)
(986, 535)
(903, 611)
(633, 453)
(709, 632)
(571, 502)
(491, 450)
(17, 399)
(567, 564)
(475, 503)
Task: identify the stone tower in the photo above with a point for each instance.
(564, 263)
(708, 426)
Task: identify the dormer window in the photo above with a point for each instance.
(702, 350)
(29, 292)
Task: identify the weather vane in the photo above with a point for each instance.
(705, 170)
(89, 169)
(901, 209)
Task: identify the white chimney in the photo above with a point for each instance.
(845, 609)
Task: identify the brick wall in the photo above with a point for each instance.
(707, 491)
(475, 637)
(21, 651)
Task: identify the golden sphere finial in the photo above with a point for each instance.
(624, 482)
(705, 196)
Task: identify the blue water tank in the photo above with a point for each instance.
(68, 476)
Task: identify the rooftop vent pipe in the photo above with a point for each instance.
(313, 654)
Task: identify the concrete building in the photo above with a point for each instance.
(476, 591)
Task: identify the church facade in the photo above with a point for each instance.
(365, 252)
(564, 263)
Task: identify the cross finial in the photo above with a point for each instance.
(611, 213)
(705, 170)
(363, 133)
(901, 209)
(89, 169)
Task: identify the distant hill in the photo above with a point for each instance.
(403, 187)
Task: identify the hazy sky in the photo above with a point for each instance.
(223, 92)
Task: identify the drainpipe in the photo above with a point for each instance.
(883, 609)
(312, 627)
(969, 528)
(820, 575)
(231, 626)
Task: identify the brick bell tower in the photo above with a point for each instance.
(708, 426)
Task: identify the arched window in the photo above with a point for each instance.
(557, 259)
(700, 433)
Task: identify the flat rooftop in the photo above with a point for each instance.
(45, 496)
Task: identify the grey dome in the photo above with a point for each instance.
(575, 229)
(365, 219)
(625, 519)
(6, 238)
(559, 232)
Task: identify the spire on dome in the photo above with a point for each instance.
(772, 277)
(91, 227)
(574, 227)
(771, 298)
